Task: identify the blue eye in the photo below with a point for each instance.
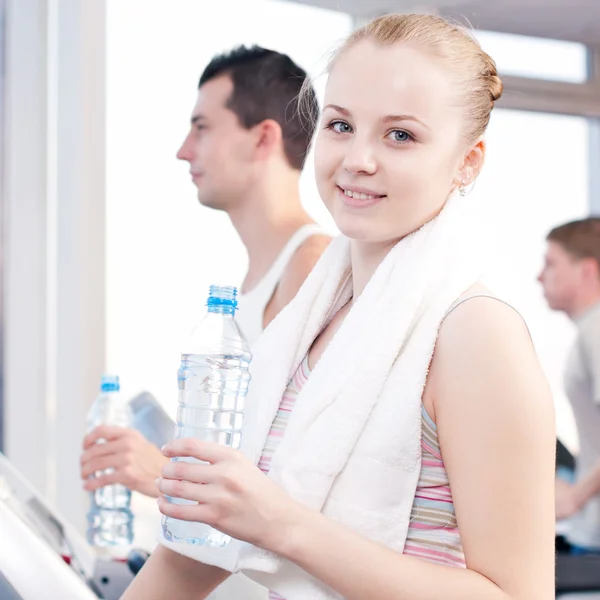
(339, 127)
(399, 136)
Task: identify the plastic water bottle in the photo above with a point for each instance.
(213, 380)
(110, 520)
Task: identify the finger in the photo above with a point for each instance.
(95, 483)
(206, 451)
(98, 450)
(106, 432)
(112, 461)
(196, 492)
(199, 513)
(185, 471)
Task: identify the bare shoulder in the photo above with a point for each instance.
(297, 270)
(483, 348)
(479, 318)
(309, 252)
(300, 266)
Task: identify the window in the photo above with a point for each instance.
(535, 177)
(538, 58)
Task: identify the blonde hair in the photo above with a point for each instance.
(478, 85)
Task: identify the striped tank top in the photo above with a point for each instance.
(433, 533)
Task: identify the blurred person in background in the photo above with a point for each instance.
(246, 148)
(571, 282)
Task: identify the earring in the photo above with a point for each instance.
(461, 190)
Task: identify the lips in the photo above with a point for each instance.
(358, 194)
(359, 197)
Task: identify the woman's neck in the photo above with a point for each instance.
(366, 257)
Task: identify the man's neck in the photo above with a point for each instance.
(265, 224)
(584, 304)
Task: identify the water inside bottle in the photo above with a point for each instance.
(212, 390)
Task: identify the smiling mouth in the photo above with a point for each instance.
(360, 195)
(356, 199)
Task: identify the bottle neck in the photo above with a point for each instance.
(222, 310)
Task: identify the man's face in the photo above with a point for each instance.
(561, 277)
(218, 149)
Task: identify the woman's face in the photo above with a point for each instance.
(389, 149)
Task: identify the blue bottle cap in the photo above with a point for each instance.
(222, 296)
(110, 383)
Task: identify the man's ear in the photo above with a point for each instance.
(268, 137)
(590, 268)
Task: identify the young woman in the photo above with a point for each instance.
(412, 455)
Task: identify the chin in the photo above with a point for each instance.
(354, 228)
(366, 233)
(367, 229)
(209, 202)
(554, 304)
(357, 234)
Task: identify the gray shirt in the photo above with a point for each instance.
(582, 385)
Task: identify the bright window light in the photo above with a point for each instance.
(555, 60)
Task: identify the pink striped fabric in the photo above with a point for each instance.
(433, 533)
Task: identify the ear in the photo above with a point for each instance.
(590, 268)
(471, 164)
(268, 138)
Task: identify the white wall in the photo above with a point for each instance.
(24, 239)
(53, 238)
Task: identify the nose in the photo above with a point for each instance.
(186, 151)
(360, 157)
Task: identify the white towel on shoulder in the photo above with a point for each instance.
(352, 445)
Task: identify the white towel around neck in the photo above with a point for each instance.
(352, 445)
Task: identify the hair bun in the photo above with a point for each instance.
(495, 86)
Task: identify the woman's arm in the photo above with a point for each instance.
(168, 575)
(496, 429)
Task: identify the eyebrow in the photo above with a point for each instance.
(386, 119)
(196, 118)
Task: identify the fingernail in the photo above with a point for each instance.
(157, 481)
(163, 449)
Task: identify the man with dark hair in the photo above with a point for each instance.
(571, 282)
(247, 144)
(267, 85)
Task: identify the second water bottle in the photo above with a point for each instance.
(110, 521)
